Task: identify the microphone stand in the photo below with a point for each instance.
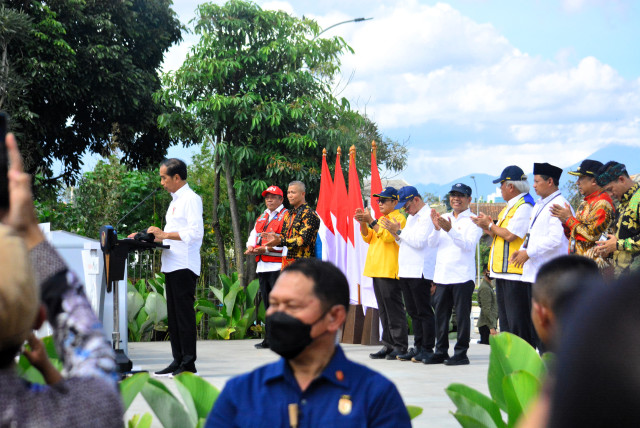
(134, 208)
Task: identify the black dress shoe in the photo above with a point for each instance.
(167, 370)
(457, 360)
(422, 355)
(407, 356)
(393, 355)
(380, 354)
(262, 345)
(183, 369)
(436, 358)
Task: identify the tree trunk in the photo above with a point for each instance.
(235, 224)
(222, 259)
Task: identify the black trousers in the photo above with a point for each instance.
(417, 299)
(181, 293)
(267, 280)
(485, 332)
(392, 314)
(447, 296)
(514, 309)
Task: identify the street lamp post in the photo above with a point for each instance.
(477, 245)
(340, 23)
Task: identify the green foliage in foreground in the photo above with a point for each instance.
(515, 378)
(198, 397)
(237, 312)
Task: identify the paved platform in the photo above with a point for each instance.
(419, 384)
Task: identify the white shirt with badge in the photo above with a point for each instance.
(456, 256)
(416, 259)
(518, 225)
(546, 236)
(184, 216)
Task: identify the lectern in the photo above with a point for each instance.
(115, 252)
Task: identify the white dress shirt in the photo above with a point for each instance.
(263, 266)
(546, 236)
(518, 225)
(184, 216)
(455, 260)
(416, 259)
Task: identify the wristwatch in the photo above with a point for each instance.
(398, 232)
(373, 224)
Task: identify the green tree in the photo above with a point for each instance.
(86, 71)
(104, 196)
(257, 87)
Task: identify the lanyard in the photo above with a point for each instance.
(542, 209)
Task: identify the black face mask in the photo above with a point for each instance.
(287, 335)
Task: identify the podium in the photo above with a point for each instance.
(115, 252)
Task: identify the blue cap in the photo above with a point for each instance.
(388, 192)
(406, 194)
(511, 173)
(461, 188)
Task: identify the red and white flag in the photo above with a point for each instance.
(339, 215)
(356, 247)
(326, 234)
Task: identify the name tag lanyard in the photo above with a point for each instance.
(525, 244)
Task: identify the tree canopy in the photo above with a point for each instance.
(79, 76)
(258, 86)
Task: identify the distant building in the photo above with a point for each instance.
(492, 210)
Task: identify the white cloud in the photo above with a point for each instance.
(420, 66)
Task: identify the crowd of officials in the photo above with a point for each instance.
(543, 257)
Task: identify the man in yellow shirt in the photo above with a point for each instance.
(382, 266)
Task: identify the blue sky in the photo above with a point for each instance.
(475, 85)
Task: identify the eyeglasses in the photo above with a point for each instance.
(384, 200)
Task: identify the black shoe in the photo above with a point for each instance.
(262, 345)
(167, 371)
(422, 355)
(380, 354)
(407, 356)
(393, 355)
(457, 360)
(480, 342)
(436, 358)
(183, 369)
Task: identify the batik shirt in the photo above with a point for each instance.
(628, 246)
(591, 220)
(88, 396)
(299, 232)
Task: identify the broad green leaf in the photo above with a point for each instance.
(473, 403)
(131, 386)
(414, 411)
(218, 292)
(230, 299)
(252, 291)
(134, 304)
(468, 421)
(508, 354)
(165, 406)
(520, 390)
(140, 422)
(156, 307)
(203, 393)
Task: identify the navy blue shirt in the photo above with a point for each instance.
(346, 394)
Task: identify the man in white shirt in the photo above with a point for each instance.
(416, 262)
(455, 237)
(545, 239)
(183, 232)
(513, 295)
(268, 259)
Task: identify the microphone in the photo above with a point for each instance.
(134, 208)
